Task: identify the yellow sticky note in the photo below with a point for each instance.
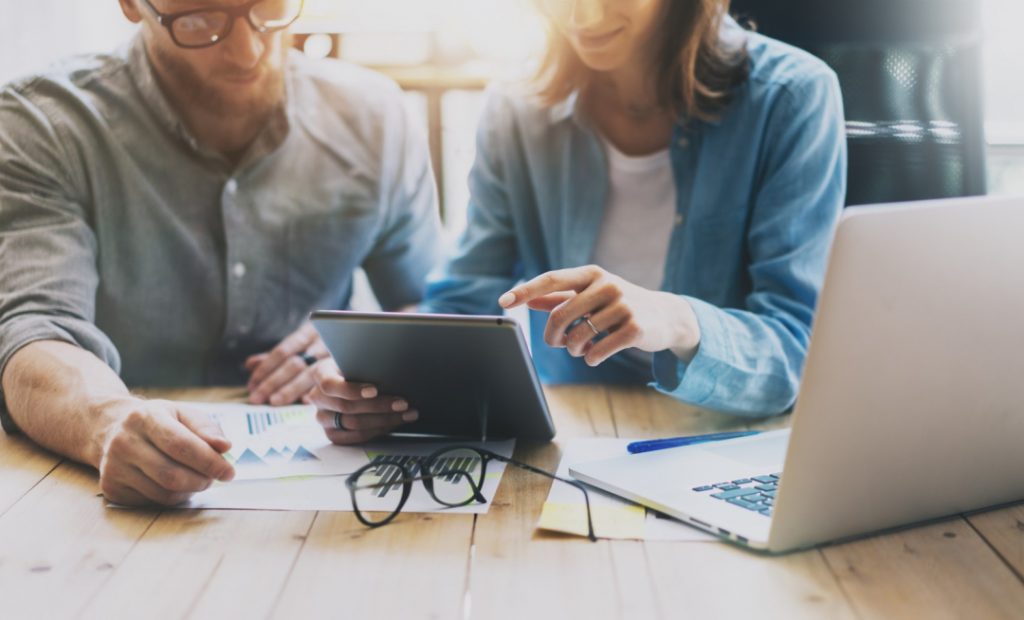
(624, 521)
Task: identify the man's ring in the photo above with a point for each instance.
(308, 358)
(596, 331)
(337, 421)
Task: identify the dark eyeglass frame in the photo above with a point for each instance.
(234, 14)
(427, 478)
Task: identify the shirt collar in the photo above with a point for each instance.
(566, 108)
(141, 69)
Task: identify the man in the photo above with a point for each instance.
(173, 212)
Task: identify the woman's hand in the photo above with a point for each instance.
(587, 302)
(354, 412)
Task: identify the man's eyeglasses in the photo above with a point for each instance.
(199, 28)
(452, 476)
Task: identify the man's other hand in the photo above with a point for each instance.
(285, 375)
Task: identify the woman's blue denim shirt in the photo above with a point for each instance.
(759, 193)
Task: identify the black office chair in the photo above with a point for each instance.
(910, 71)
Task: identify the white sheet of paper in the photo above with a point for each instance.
(329, 493)
(581, 450)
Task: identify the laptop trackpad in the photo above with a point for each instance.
(763, 451)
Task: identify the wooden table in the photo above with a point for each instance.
(63, 554)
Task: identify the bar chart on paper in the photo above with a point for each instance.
(280, 442)
(390, 474)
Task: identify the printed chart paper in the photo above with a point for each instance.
(279, 442)
(614, 518)
(284, 461)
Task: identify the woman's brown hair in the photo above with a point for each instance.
(697, 70)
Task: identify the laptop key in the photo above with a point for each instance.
(727, 487)
(745, 504)
(734, 493)
(741, 481)
(707, 487)
(764, 479)
(766, 512)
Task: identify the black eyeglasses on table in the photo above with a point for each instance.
(453, 477)
(205, 27)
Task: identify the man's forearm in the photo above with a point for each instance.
(55, 392)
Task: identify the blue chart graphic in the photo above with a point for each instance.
(300, 455)
(260, 422)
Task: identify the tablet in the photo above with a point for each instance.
(468, 376)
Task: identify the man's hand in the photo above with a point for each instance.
(283, 376)
(355, 412)
(155, 452)
(588, 302)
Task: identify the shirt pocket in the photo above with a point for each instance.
(323, 250)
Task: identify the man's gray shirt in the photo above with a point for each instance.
(120, 234)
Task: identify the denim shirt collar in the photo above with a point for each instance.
(586, 196)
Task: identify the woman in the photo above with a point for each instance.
(669, 194)
(670, 197)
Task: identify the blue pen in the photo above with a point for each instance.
(674, 442)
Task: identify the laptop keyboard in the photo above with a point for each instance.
(756, 494)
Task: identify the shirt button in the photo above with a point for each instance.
(244, 329)
(238, 270)
(683, 143)
(231, 187)
(232, 344)
(680, 219)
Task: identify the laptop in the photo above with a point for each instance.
(912, 402)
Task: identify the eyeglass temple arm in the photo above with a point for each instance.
(576, 483)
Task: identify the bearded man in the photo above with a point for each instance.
(171, 213)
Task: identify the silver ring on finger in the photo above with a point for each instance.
(308, 359)
(337, 421)
(591, 325)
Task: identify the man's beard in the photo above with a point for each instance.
(193, 90)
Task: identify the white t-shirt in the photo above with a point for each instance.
(639, 217)
(638, 221)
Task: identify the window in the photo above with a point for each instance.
(1004, 83)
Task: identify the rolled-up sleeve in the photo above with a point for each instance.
(750, 360)
(410, 243)
(48, 276)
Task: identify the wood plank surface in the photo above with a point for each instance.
(416, 567)
(519, 572)
(1003, 529)
(59, 545)
(943, 570)
(23, 466)
(209, 564)
(64, 554)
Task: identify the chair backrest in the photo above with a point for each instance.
(910, 71)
